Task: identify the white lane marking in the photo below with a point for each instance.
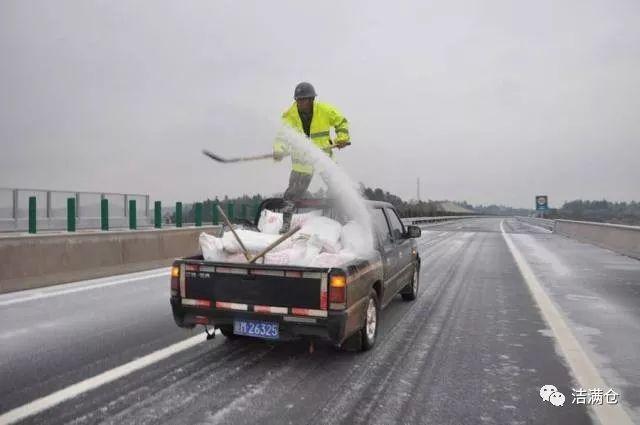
(47, 402)
(41, 295)
(583, 369)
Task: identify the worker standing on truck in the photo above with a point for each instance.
(314, 119)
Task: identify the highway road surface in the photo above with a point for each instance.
(504, 309)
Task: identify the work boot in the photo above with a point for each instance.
(287, 214)
(286, 222)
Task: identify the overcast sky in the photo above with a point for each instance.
(488, 101)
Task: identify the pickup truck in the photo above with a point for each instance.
(339, 304)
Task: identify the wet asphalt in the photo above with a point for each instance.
(472, 349)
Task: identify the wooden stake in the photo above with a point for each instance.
(228, 223)
(275, 244)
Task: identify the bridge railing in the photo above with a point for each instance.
(36, 210)
(437, 219)
(541, 222)
(50, 209)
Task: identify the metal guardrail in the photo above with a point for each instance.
(540, 222)
(52, 209)
(438, 219)
(37, 210)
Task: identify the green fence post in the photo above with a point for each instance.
(198, 214)
(32, 214)
(256, 208)
(178, 214)
(157, 214)
(132, 214)
(244, 211)
(71, 214)
(215, 214)
(230, 208)
(104, 214)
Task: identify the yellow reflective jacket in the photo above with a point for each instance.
(324, 117)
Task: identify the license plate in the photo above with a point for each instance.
(256, 328)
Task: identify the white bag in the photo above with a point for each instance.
(211, 247)
(302, 219)
(253, 241)
(270, 222)
(327, 259)
(312, 248)
(286, 257)
(235, 258)
(326, 230)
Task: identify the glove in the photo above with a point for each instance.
(278, 156)
(342, 144)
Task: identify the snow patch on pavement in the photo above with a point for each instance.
(542, 254)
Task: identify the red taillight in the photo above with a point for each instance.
(175, 281)
(338, 289)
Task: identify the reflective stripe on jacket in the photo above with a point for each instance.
(324, 117)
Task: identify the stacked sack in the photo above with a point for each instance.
(320, 242)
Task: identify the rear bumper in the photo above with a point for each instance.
(333, 328)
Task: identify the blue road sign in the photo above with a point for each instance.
(542, 203)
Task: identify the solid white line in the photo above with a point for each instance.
(47, 402)
(583, 369)
(41, 295)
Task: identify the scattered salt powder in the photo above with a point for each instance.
(321, 242)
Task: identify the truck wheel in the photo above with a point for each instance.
(369, 331)
(353, 343)
(410, 292)
(227, 331)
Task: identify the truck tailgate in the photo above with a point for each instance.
(254, 288)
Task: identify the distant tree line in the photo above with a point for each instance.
(432, 208)
(599, 211)
(406, 209)
(501, 210)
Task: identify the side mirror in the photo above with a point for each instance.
(414, 231)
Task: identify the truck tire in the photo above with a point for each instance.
(353, 343)
(369, 331)
(227, 331)
(410, 292)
